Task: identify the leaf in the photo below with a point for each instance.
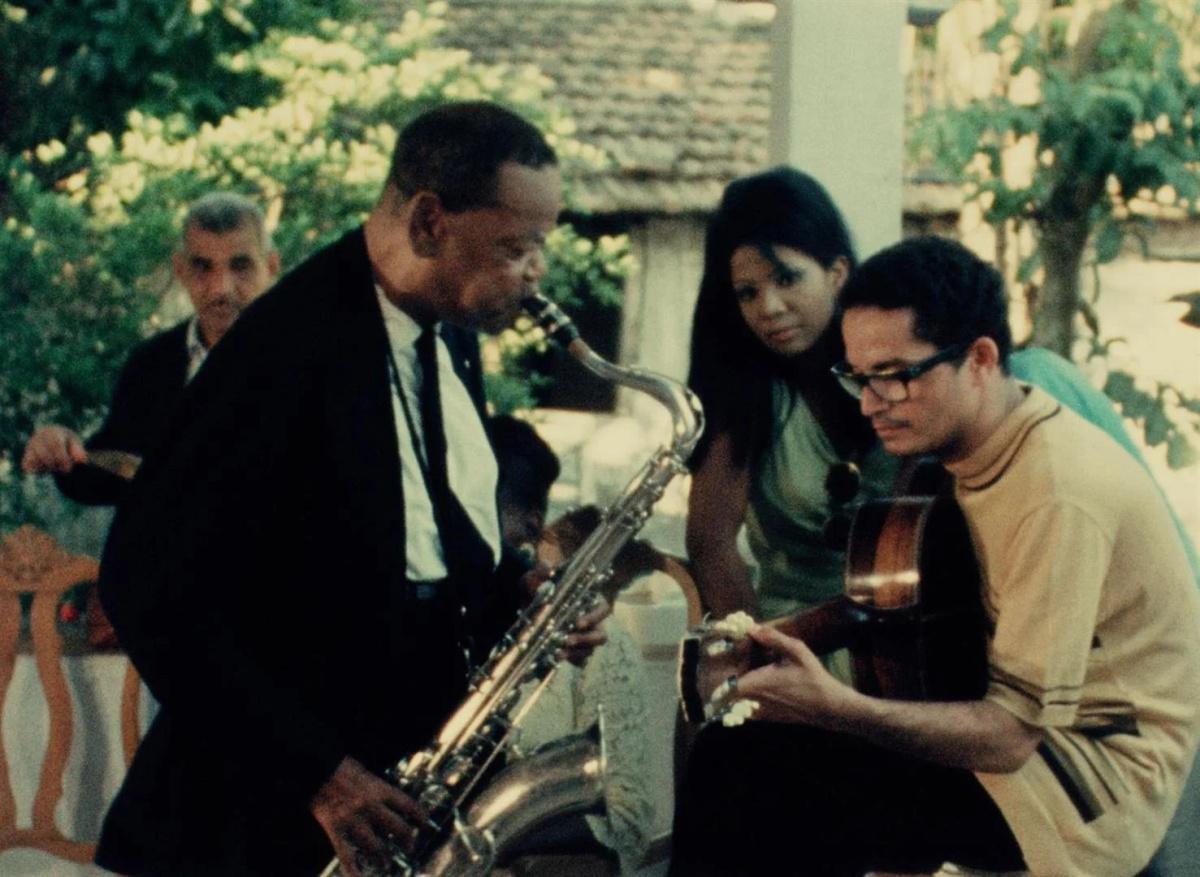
(1108, 242)
(1029, 265)
(1192, 299)
(1191, 404)
(1134, 403)
(1158, 426)
(1181, 453)
(1183, 179)
(994, 35)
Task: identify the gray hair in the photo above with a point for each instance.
(222, 212)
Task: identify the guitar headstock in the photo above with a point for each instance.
(711, 658)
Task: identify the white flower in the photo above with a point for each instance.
(50, 152)
(100, 144)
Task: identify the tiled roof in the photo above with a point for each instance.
(678, 96)
(677, 92)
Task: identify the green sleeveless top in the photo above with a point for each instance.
(789, 507)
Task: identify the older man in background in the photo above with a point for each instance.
(225, 260)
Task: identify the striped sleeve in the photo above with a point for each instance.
(1046, 592)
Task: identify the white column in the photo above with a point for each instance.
(837, 106)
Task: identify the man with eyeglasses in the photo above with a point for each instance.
(1073, 761)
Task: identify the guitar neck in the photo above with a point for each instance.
(824, 628)
(704, 672)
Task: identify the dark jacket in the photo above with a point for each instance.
(147, 391)
(256, 575)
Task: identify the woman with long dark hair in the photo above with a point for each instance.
(786, 449)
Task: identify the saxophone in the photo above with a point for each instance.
(476, 814)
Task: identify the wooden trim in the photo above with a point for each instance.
(131, 698)
(32, 562)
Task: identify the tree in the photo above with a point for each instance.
(72, 67)
(86, 254)
(1089, 131)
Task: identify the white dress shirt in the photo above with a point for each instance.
(196, 351)
(470, 463)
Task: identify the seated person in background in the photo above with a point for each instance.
(1073, 761)
(638, 558)
(225, 260)
(612, 679)
(528, 469)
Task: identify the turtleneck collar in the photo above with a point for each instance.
(991, 459)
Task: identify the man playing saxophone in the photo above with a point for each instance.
(304, 573)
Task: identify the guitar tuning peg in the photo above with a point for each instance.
(734, 626)
(724, 690)
(738, 712)
(718, 647)
(731, 713)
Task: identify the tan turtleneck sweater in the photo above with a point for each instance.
(1096, 639)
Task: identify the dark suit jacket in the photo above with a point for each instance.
(256, 575)
(147, 391)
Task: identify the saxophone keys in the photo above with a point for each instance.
(480, 844)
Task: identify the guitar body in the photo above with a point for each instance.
(913, 591)
(912, 615)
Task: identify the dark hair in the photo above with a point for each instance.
(731, 370)
(636, 558)
(223, 212)
(528, 466)
(455, 151)
(955, 296)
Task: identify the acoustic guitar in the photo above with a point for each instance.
(911, 615)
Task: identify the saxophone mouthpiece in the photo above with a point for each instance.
(554, 322)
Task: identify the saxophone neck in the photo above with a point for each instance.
(554, 321)
(687, 415)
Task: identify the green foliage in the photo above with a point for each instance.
(1121, 109)
(90, 233)
(71, 67)
(1150, 412)
(69, 312)
(578, 270)
(1112, 123)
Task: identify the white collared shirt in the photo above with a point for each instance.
(470, 463)
(196, 351)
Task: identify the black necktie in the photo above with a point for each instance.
(466, 553)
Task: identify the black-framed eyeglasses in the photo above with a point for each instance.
(892, 386)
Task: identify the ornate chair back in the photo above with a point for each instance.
(33, 562)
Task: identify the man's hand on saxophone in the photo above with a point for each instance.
(588, 635)
(359, 811)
